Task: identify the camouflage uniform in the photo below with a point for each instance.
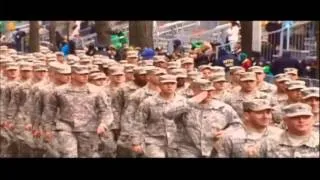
(81, 111)
(267, 88)
(198, 125)
(155, 131)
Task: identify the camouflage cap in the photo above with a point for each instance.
(297, 109)
(94, 68)
(234, 69)
(281, 77)
(40, 67)
(26, 66)
(12, 51)
(123, 61)
(59, 54)
(256, 69)
(204, 84)
(291, 71)
(42, 58)
(203, 67)
(80, 69)
(310, 92)
(218, 70)
(98, 76)
(112, 63)
(256, 105)
(193, 75)
(292, 85)
(80, 51)
(97, 56)
(248, 76)
(219, 78)
(5, 60)
(52, 59)
(85, 60)
(53, 64)
(12, 66)
(159, 71)
(140, 70)
(158, 59)
(62, 69)
(180, 73)
(3, 48)
(167, 78)
(97, 61)
(187, 60)
(116, 70)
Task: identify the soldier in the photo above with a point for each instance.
(242, 141)
(60, 57)
(280, 81)
(151, 128)
(310, 96)
(201, 119)
(299, 140)
(84, 60)
(294, 96)
(219, 84)
(235, 72)
(160, 61)
(261, 84)
(206, 71)
(84, 115)
(128, 69)
(181, 75)
(248, 83)
(134, 100)
(188, 64)
(292, 72)
(132, 57)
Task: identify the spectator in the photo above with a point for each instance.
(226, 59)
(91, 50)
(18, 38)
(72, 47)
(233, 34)
(285, 62)
(148, 53)
(59, 40)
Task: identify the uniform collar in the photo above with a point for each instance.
(312, 141)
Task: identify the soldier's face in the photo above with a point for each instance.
(180, 82)
(63, 78)
(168, 88)
(80, 78)
(260, 76)
(118, 78)
(129, 77)
(132, 60)
(26, 74)
(141, 79)
(281, 85)
(299, 125)
(207, 74)
(154, 79)
(294, 95)
(60, 58)
(188, 66)
(99, 82)
(219, 85)
(259, 119)
(248, 85)
(236, 76)
(12, 74)
(40, 74)
(314, 103)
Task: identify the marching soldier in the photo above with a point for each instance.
(203, 119)
(241, 141)
(187, 64)
(128, 69)
(248, 91)
(310, 96)
(261, 84)
(299, 140)
(280, 81)
(219, 84)
(181, 75)
(160, 61)
(84, 115)
(206, 71)
(292, 72)
(235, 72)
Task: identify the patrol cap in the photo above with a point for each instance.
(291, 71)
(112, 63)
(94, 68)
(116, 70)
(180, 73)
(173, 66)
(256, 105)
(12, 66)
(204, 84)
(99, 75)
(40, 67)
(297, 109)
(281, 77)
(123, 61)
(128, 68)
(59, 54)
(248, 76)
(218, 70)
(219, 78)
(310, 92)
(97, 56)
(256, 69)
(3, 48)
(167, 78)
(159, 71)
(203, 67)
(97, 61)
(52, 59)
(173, 63)
(84, 60)
(12, 51)
(53, 64)
(193, 74)
(187, 60)
(297, 84)
(80, 51)
(42, 58)
(234, 69)
(158, 59)
(5, 60)
(80, 69)
(140, 70)
(62, 69)
(26, 66)
(132, 54)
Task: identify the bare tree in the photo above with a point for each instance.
(103, 33)
(246, 37)
(34, 38)
(141, 33)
